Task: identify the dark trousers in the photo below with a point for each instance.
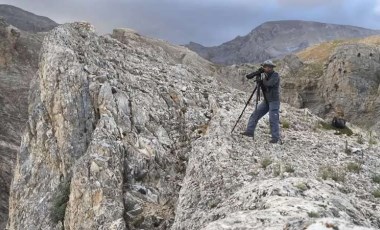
(274, 118)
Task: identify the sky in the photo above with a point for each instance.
(208, 22)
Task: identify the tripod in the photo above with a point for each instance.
(257, 89)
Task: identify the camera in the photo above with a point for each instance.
(256, 73)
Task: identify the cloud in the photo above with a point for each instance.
(377, 7)
(209, 22)
(308, 3)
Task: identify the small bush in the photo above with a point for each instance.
(335, 174)
(313, 214)
(360, 140)
(59, 202)
(285, 124)
(277, 170)
(289, 168)
(266, 162)
(372, 140)
(302, 186)
(328, 126)
(353, 167)
(376, 193)
(376, 178)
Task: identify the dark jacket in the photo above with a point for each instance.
(271, 87)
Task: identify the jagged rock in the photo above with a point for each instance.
(107, 141)
(225, 187)
(110, 122)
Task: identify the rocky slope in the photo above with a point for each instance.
(25, 20)
(124, 135)
(18, 63)
(277, 39)
(337, 78)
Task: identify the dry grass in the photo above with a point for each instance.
(321, 52)
(266, 162)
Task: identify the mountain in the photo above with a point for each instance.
(276, 39)
(126, 132)
(25, 20)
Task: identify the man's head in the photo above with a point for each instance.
(268, 66)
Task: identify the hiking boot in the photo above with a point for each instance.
(247, 134)
(274, 141)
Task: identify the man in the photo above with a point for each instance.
(270, 85)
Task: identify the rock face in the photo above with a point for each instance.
(18, 63)
(123, 134)
(25, 20)
(339, 79)
(277, 39)
(113, 119)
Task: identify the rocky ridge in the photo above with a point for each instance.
(122, 136)
(276, 39)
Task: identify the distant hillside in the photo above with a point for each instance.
(25, 20)
(277, 39)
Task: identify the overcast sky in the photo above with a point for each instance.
(208, 22)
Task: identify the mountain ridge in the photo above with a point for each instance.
(25, 20)
(274, 39)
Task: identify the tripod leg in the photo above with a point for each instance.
(246, 104)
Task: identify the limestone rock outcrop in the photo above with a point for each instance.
(123, 134)
(340, 78)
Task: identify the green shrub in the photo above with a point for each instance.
(328, 126)
(376, 178)
(360, 139)
(376, 193)
(277, 170)
(335, 174)
(285, 124)
(372, 140)
(302, 186)
(266, 162)
(289, 168)
(354, 167)
(313, 214)
(59, 202)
